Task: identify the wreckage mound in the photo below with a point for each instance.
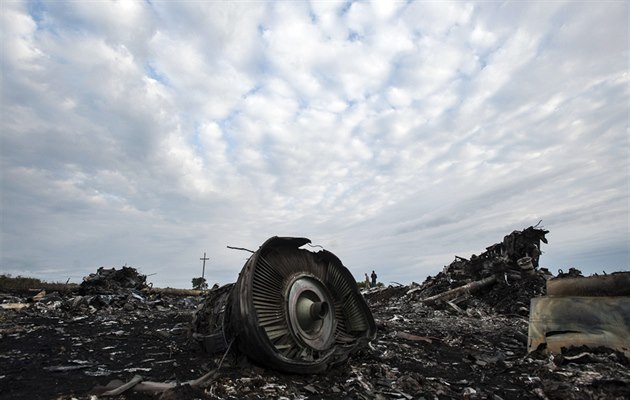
(110, 280)
(503, 278)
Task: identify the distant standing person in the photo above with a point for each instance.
(367, 281)
(373, 278)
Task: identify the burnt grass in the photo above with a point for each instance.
(70, 346)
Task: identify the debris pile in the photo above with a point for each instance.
(106, 281)
(108, 291)
(504, 277)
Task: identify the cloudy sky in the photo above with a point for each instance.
(395, 134)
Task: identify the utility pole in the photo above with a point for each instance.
(203, 271)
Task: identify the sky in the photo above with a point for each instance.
(396, 135)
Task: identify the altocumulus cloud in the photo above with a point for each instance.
(395, 134)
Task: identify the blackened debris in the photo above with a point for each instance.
(572, 273)
(63, 345)
(207, 323)
(112, 280)
(513, 261)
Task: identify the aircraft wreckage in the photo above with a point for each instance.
(291, 309)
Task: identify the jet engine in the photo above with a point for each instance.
(291, 309)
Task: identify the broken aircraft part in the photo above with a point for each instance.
(559, 322)
(291, 309)
(593, 311)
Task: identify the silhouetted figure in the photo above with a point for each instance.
(373, 278)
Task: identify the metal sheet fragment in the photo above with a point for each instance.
(559, 322)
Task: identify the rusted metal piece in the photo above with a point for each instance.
(559, 322)
(123, 388)
(291, 309)
(617, 284)
(458, 291)
(414, 338)
(139, 385)
(173, 291)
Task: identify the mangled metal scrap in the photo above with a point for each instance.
(593, 311)
(505, 276)
(108, 280)
(291, 309)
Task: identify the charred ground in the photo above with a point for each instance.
(71, 344)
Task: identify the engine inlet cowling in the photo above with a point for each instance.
(291, 309)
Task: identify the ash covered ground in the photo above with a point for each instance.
(73, 344)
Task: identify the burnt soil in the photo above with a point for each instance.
(65, 346)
